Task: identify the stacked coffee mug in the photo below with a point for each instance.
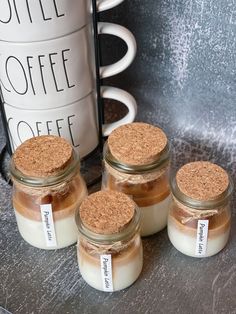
(47, 70)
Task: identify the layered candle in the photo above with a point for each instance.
(200, 216)
(136, 162)
(47, 189)
(110, 253)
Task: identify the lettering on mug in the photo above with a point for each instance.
(14, 11)
(31, 73)
(21, 130)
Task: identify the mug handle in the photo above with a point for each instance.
(127, 36)
(124, 97)
(103, 5)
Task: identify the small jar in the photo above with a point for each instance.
(136, 162)
(200, 217)
(47, 189)
(110, 253)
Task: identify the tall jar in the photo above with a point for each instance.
(200, 216)
(110, 253)
(47, 188)
(136, 162)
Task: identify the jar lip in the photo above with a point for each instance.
(32, 181)
(160, 162)
(104, 239)
(201, 204)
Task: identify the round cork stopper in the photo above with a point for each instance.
(107, 212)
(202, 180)
(42, 156)
(137, 143)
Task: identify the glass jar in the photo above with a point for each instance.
(147, 181)
(200, 216)
(109, 259)
(45, 201)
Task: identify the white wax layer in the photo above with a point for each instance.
(186, 243)
(124, 274)
(32, 232)
(154, 217)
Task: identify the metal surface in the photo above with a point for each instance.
(184, 80)
(97, 51)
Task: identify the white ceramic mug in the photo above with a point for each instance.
(77, 122)
(50, 74)
(27, 21)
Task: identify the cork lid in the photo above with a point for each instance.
(137, 143)
(202, 180)
(43, 156)
(107, 212)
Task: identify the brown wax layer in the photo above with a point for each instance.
(42, 156)
(107, 212)
(36, 215)
(218, 223)
(118, 258)
(137, 143)
(144, 194)
(215, 232)
(64, 204)
(202, 180)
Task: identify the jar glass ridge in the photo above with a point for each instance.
(221, 200)
(124, 235)
(161, 161)
(57, 178)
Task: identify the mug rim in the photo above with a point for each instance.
(41, 42)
